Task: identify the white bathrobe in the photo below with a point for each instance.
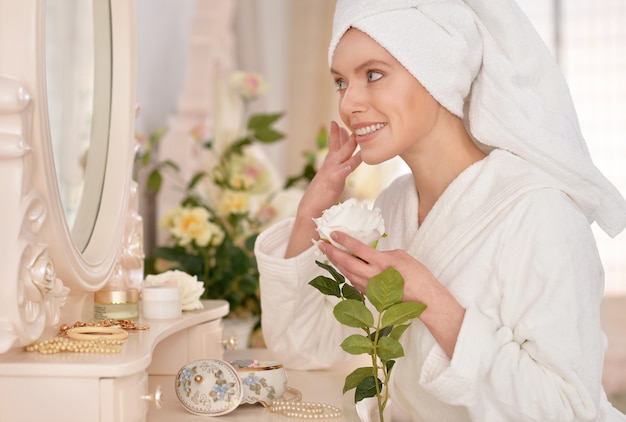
(517, 253)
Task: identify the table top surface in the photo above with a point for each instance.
(135, 357)
(320, 386)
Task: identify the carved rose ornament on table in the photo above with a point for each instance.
(383, 325)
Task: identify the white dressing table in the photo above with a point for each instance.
(71, 387)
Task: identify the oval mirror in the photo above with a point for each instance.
(87, 74)
(78, 81)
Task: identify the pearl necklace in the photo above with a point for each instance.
(295, 408)
(106, 336)
(64, 344)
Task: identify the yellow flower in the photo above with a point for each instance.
(246, 172)
(240, 181)
(192, 225)
(170, 217)
(233, 202)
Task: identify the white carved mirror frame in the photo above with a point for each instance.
(43, 274)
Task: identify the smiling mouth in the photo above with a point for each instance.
(362, 131)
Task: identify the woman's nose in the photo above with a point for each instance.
(353, 100)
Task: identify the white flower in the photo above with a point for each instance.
(353, 217)
(190, 288)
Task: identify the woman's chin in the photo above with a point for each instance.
(373, 159)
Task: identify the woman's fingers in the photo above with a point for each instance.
(358, 264)
(341, 144)
(356, 247)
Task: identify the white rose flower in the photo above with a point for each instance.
(353, 217)
(190, 288)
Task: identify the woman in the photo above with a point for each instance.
(491, 229)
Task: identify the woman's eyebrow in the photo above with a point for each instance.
(364, 65)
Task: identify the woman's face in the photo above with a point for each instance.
(387, 109)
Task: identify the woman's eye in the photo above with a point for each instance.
(372, 75)
(340, 84)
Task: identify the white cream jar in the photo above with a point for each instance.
(161, 302)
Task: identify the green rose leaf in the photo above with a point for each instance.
(268, 135)
(357, 344)
(326, 285)
(155, 180)
(353, 313)
(250, 241)
(385, 289)
(356, 376)
(402, 312)
(389, 348)
(195, 179)
(398, 331)
(237, 146)
(321, 140)
(385, 331)
(351, 292)
(336, 274)
(367, 388)
(263, 120)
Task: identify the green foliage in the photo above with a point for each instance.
(311, 157)
(226, 265)
(381, 333)
(261, 127)
(227, 269)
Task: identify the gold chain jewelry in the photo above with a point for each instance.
(293, 407)
(124, 324)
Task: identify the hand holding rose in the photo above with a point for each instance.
(354, 218)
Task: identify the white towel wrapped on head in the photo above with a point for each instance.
(484, 62)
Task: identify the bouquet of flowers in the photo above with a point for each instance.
(211, 232)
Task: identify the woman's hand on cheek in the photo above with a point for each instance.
(330, 180)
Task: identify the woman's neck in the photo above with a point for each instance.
(436, 165)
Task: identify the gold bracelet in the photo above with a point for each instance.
(124, 324)
(92, 333)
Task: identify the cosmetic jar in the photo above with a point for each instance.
(161, 302)
(116, 304)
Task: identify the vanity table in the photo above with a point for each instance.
(72, 387)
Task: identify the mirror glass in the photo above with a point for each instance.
(78, 85)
